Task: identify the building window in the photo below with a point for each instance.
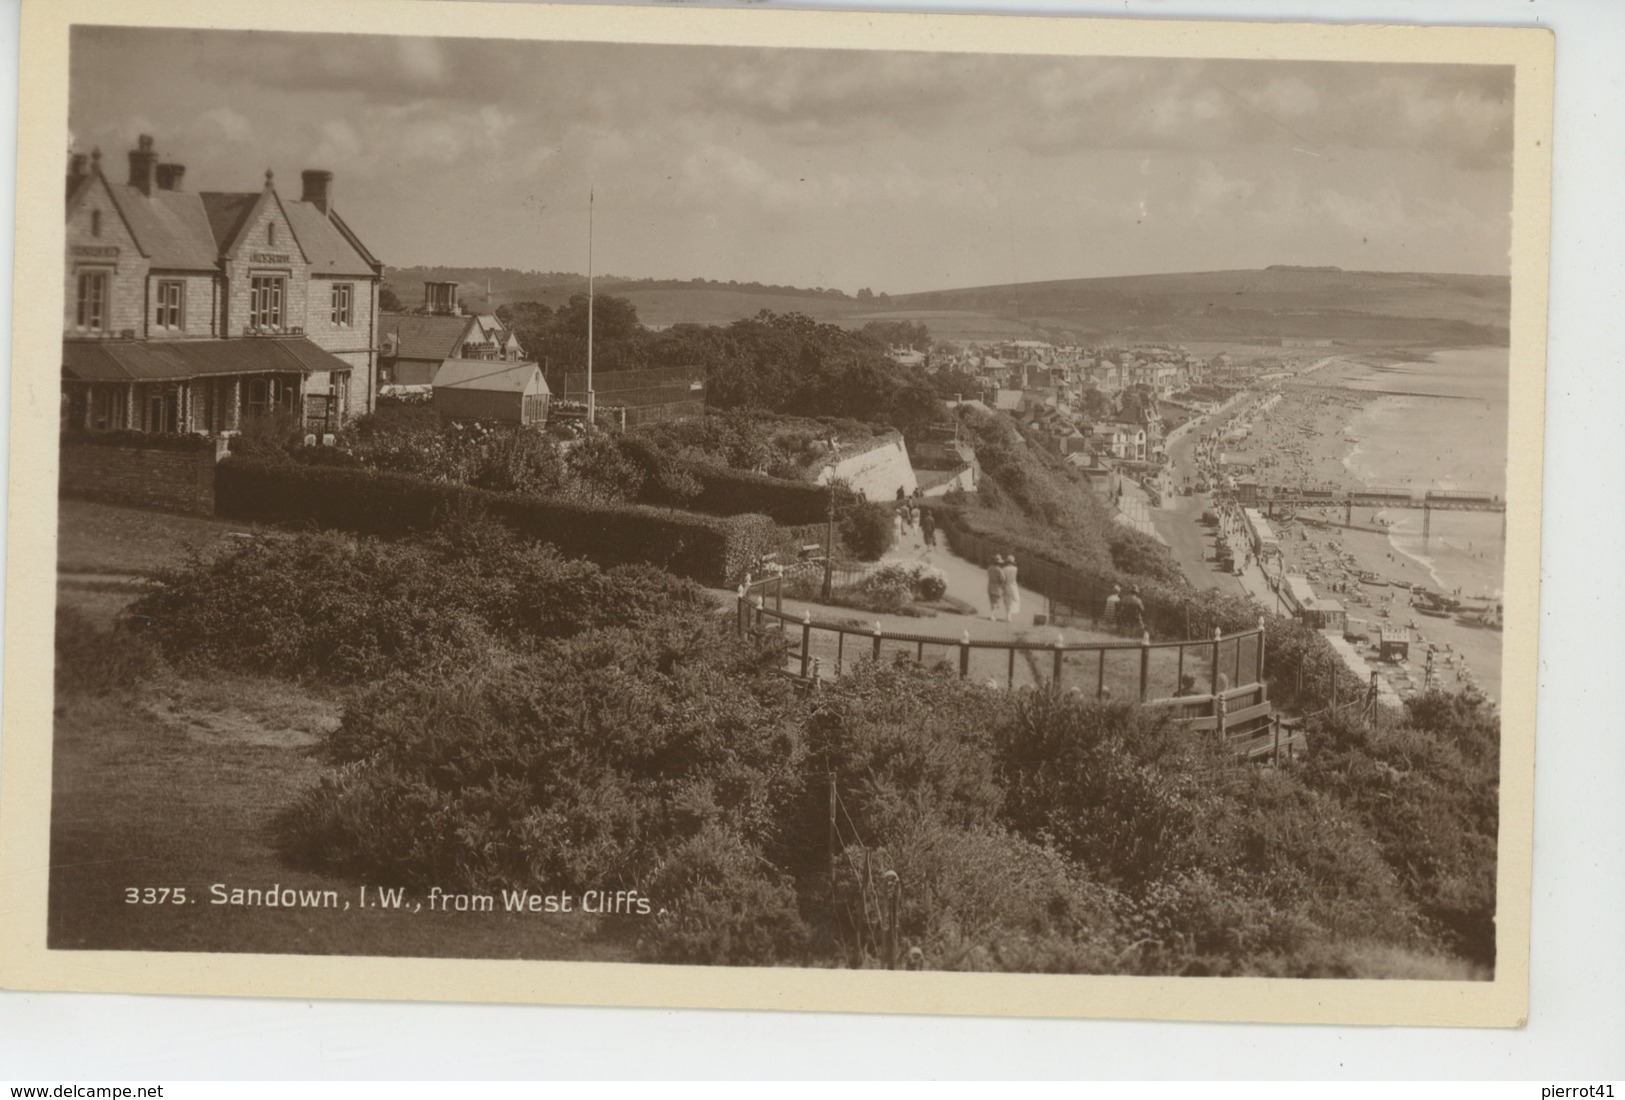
(342, 295)
(265, 302)
(92, 312)
(270, 234)
(95, 223)
(256, 397)
(171, 299)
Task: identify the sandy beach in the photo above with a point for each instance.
(1304, 439)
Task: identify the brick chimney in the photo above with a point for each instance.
(142, 160)
(170, 176)
(318, 188)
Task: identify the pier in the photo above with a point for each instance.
(1268, 497)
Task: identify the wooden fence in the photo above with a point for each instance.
(1210, 684)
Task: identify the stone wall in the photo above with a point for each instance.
(875, 470)
(148, 477)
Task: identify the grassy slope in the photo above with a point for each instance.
(180, 783)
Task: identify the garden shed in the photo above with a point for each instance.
(490, 390)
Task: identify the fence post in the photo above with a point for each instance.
(877, 640)
(740, 618)
(806, 641)
(1371, 700)
(964, 655)
(1275, 747)
(1261, 649)
(1218, 714)
(1145, 664)
(1217, 634)
(1060, 640)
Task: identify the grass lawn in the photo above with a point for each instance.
(180, 783)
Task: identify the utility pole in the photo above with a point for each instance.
(829, 530)
(591, 400)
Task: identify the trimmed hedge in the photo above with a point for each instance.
(128, 437)
(714, 551)
(726, 492)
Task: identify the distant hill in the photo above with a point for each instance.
(1355, 306)
(1361, 307)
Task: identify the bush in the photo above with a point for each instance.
(712, 550)
(671, 480)
(867, 530)
(146, 441)
(719, 904)
(585, 766)
(346, 609)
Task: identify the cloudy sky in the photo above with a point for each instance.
(899, 171)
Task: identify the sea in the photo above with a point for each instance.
(1440, 424)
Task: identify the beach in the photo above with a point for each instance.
(1411, 422)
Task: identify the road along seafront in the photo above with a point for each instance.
(1410, 421)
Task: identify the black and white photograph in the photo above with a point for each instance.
(782, 510)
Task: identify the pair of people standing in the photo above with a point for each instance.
(1002, 588)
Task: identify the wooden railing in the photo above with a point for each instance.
(1209, 684)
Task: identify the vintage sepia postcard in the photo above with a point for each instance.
(775, 509)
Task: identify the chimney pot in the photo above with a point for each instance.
(170, 176)
(318, 188)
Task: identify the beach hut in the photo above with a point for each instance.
(1326, 615)
(1394, 645)
(490, 390)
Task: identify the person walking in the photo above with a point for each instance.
(928, 529)
(995, 586)
(1111, 607)
(1012, 591)
(1133, 611)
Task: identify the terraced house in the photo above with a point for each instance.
(199, 311)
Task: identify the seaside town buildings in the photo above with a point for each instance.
(195, 311)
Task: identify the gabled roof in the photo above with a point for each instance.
(489, 375)
(424, 336)
(174, 360)
(228, 212)
(329, 251)
(172, 227)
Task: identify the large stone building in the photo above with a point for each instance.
(197, 311)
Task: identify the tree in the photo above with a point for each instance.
(388, 300)
(865, 294)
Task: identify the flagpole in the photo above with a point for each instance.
(590, 400)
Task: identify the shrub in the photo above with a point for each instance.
(713, 550)
(719, 904)
(867, 530)
(147, 441)
(585, 766)
(885, 591)
(346, 609)
(920, 580)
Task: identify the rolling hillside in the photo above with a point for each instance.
(1354, 306)
(1358, 307)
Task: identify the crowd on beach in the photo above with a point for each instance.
(1300, 443)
